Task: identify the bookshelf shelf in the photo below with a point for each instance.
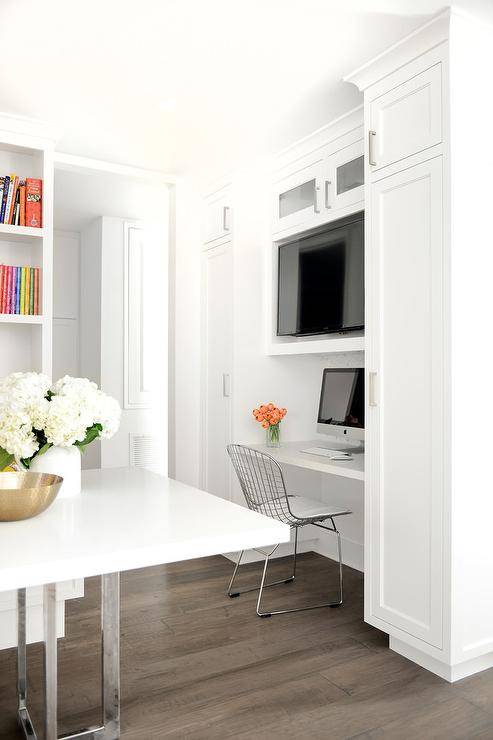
(20, 233)
(7, 318)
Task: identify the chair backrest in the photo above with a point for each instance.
(261, 481)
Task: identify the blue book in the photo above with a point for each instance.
(4, 198)
(17, 307)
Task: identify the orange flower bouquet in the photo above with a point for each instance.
(270, 417)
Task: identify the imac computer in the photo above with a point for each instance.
(341, 411)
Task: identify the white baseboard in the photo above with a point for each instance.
(352, 552)
(448, 672)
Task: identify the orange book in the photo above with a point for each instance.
(33, 202)
(27, 289)
(22, 189)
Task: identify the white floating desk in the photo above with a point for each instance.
(290, 454)
(123, 519)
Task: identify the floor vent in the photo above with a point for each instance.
(145, 452)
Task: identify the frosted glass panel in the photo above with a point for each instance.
(296, 199)
(350, 175)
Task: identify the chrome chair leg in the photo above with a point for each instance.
(339, 550)
(330, 604)
(290, 579)
(232, 595)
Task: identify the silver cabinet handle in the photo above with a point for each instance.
(226, 385)
(316, 207)
(328, 183)
(226, 218)
(371, 155)
(372, 376)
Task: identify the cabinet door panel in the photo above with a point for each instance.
(218, 351)
(407, 119)
(405, 428)
(217, 217)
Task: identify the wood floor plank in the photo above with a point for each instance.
(200, 666)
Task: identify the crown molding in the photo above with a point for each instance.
(423, 39)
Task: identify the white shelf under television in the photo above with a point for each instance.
(320, 344)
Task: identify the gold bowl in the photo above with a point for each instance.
(24, 495)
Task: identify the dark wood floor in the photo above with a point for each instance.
(198, 665)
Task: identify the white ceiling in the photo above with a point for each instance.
(235, 77)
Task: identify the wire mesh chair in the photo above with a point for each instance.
(262, 483)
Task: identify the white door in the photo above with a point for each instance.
(405, 414)
(407, 119)
(217, 366)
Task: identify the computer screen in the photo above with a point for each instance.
(342, 400)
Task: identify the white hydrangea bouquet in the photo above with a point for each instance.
(36, 416)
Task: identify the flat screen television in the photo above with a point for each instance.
(321, 280)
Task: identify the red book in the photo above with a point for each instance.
(4, 290)
(2, 278)
(34, 189)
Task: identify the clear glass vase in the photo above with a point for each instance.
(273, 435)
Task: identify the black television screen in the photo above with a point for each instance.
(321, 280)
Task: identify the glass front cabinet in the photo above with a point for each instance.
(297, 197)
(315, 189)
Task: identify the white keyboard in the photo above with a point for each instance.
(331, 454)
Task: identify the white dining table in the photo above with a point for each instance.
(123, 519)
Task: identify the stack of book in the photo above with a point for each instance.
(20, 201)
(19, 290)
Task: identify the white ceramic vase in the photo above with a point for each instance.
(64, 461)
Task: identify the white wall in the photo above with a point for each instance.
(471, 62)
(66, 277)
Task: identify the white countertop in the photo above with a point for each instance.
(290, 454)
(126, 518)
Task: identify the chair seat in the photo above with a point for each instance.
(309, 508)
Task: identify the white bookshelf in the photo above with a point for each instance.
(18, 319)
(20, 233)
(26, 148)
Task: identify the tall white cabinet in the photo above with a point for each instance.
(217, 344)
(428, 559)
(405, 423)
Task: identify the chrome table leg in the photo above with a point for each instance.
(110, 607)
(50, 661)
(110, 628)
(22, 712)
